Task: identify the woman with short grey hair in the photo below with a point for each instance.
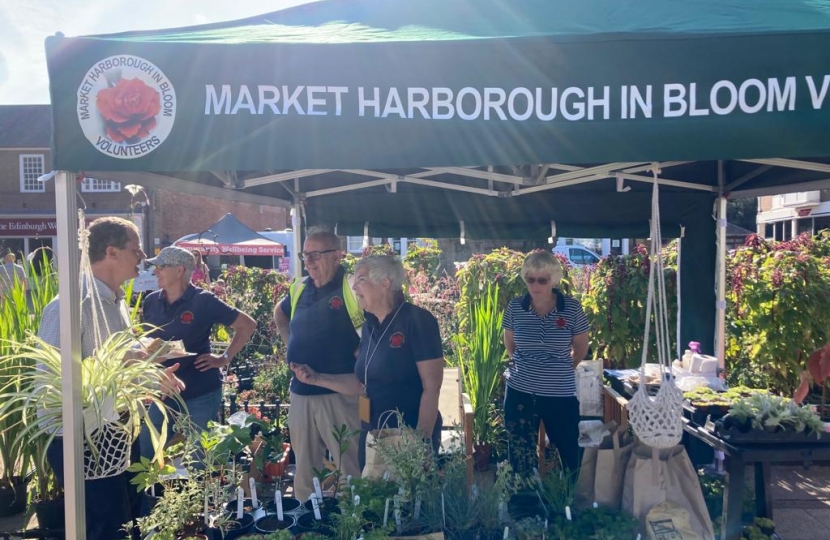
(546, 336)
(400, 363)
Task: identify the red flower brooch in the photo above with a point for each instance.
(396, 340)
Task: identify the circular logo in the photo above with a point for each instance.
(126, 106)
(187, 317)
(397, 340)
(336, 302)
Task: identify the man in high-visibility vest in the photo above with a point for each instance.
(318, 319)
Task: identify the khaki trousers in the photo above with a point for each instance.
(311, 420)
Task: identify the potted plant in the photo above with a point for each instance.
(17, 455)
(481, 355)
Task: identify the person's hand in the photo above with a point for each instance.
(170, 384)
(208, 361)
(304, 373)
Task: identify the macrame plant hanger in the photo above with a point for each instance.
(108, 438)
(657, 421)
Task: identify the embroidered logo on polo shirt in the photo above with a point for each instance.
(186, 317)
(561, 322)
(396, 340)
(336, 302)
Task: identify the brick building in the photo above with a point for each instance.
(27, 207)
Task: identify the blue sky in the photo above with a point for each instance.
(25, 24)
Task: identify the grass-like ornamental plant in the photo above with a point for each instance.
(481, 355)
(115, 391)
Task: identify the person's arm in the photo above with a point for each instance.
(243, 327)
(283, 323)
(343, 383)
(579, 346)
(432, 375)
(206, 272)
(509, 343)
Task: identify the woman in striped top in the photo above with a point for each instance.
(546, 335)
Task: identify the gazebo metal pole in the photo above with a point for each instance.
(296, 238)
(70, 342)
(720, 277)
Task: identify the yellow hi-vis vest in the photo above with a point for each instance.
(355, 313)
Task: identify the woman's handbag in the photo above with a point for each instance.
(386, 440)
(602, 472)
(654, 476)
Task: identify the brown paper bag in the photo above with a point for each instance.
(669, 521)
(375, 466)
(655, 476)
(602, 472)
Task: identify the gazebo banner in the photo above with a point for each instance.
(397, 84)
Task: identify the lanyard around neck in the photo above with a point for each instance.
(372, 354)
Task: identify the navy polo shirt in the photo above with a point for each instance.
(392, 350)
(321, 333)
(542, 360)
(190, 319)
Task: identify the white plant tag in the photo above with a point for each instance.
(207, 513)
(240, 499)
(568, 513)
(506, 532)
(317, 489)
(252, 485)
(278, 505)
(386, 514)
(417, 512)
(315, 503)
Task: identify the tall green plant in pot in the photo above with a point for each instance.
(18, 317)
(481, 355)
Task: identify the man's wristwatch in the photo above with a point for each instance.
(225, 357)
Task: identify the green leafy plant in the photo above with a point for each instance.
(615, 304)
(777, 308)
(500, 268)
(423, 258)
(332, 474)
(481, 355)
(114, 392)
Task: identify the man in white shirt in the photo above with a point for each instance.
(11, 273)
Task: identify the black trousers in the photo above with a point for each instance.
(110, 502)
(522, 413)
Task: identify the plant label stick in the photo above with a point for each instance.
(568, 513)
(316, 505)
(398, 525)
(317, 489)
(240, 499)
(252, 485)
(386, 513)
(207, 513)
(443, 513)
(506, 531)
(417, 512)
(278, 504)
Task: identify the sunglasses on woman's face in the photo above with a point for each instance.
(540, 280)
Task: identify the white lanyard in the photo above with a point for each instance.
(372, 354)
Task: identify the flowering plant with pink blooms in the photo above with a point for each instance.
(778, 305)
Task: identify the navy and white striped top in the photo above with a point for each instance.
(542, 359)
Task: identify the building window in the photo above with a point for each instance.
(31, 168)
(100, 186)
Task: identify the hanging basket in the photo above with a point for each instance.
(657, 421)
(113, 442)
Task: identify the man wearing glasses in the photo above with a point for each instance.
(318, 320)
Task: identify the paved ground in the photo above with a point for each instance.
(801, 502)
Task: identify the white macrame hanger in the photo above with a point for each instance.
(657, 421)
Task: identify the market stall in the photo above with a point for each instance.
(452, 119)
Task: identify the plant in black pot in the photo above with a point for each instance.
(48, 500)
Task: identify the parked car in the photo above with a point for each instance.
(577, 255)
(146, 281)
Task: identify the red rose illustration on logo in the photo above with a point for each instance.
(397, 340)
(336, 302)
(561, 323)
(187, 317)
(129, 108)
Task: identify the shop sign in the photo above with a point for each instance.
(28, 227)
